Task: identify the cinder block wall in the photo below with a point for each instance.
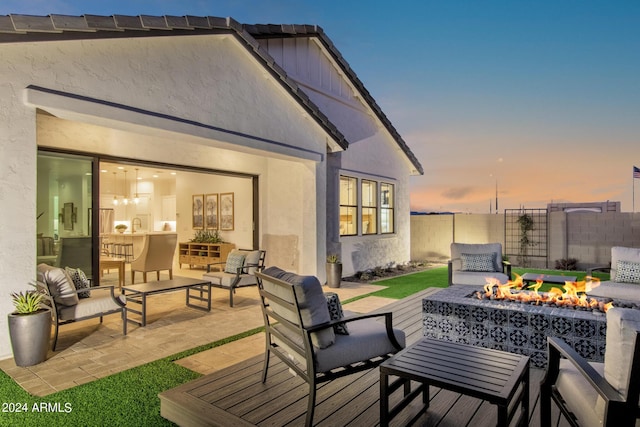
(586, 236)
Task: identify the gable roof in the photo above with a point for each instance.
(23, 28)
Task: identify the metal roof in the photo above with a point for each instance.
(23, 28)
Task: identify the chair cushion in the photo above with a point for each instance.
(367, 339)
(79, 280)
(253, 258)
(59, 284)
(222, 279)
(311, 301)
(336, 313)
(235, 260)
(89, 307)
(622, 324)
(616, 291)
(476, 278)
(620, 253)
(628, 272)
(580, 396)
(478, 262)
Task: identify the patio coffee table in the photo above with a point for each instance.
(138, 294)
(547, 278)
(498, 377)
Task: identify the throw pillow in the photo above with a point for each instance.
(478, 262)
(628, 272)
(235, 260)
(335, 311)
(80, 281)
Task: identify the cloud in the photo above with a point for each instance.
(457, 193)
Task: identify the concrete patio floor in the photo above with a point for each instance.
(89, 350)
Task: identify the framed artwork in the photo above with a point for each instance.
(67, 216)
(226, 211)
(198, 212)
(211, 211)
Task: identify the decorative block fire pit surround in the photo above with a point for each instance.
(453, 315)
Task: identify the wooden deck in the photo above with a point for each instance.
(236, 396)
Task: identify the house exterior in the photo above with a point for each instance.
(272, 114)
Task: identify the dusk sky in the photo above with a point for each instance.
(540, 97)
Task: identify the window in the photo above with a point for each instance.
(372, 209)
(369, 207)
(386, 208)
(348, 206)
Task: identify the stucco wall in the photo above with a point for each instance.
(586, 236)
(179, 77)
(375, 158)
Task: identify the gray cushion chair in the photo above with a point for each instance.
(237, 271)
(472, 264)
(596, 394)
(300, 332)
(68, 307)
(624, 280)
(157, 254)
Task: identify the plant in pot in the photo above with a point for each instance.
(29, 327)
(120, 228)
(334, 271)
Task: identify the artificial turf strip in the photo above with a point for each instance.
(403, 286)
(128, 398)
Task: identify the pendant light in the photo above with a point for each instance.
(136, 200)
(125, 201)
(115, 183)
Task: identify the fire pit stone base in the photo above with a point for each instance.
(453, 315)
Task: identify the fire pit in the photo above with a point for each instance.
(457, 314)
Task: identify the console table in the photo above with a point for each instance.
(496, 376)
(202, 254)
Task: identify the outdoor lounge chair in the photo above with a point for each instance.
(472, 264)
(624, 270)
(596, 394)
(66, 305)
(300, 332)
(238, 271)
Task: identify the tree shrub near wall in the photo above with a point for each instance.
(525, 221)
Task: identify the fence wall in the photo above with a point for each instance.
(585, 236)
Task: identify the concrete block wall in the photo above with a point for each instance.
(586, 236)
(431, 237)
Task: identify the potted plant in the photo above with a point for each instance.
(29, 327)
(334, 271)
(121, 228)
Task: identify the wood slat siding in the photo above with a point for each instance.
(235, 396)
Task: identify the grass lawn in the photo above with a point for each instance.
(130, 398)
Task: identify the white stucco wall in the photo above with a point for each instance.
(372, 152)
(209, 80)
(375, 158)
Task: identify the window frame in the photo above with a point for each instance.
(390, 210)
(349, 206)
(379, 182)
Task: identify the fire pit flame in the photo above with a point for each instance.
(574, 294)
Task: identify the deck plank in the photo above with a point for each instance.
(237, 396)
